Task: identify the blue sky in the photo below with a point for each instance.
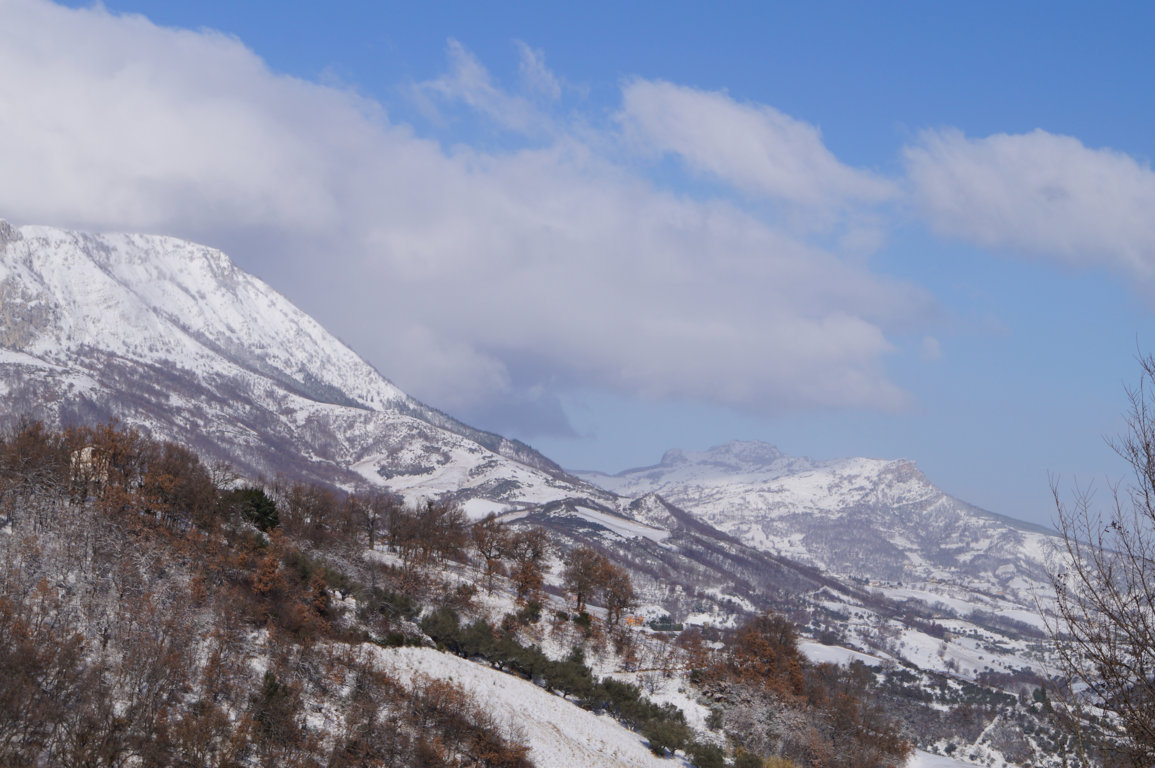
(887, 229)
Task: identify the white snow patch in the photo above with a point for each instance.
(476, 509)
(922, 759)
(832, 654)
(557, 731)
(12, 357)
(622, 526)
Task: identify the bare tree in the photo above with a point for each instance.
(528, 550)
(442, 528)
(490, 539)
(617, 593)
(368, 512)
(1105, 585)
(585, 572)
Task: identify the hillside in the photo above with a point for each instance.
(247, 629)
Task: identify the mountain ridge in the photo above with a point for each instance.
(878, 519)
(100, 320)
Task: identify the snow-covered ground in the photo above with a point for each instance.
(832, 654)
(922, 759)
(558, 732)
(622, 526)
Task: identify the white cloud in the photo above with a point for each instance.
(931, 348)
(753, 147)
(535, 75)
(469, 278)
(469, 82)
(111, 120)
(1038, 193)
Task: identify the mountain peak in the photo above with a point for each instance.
(8, 234)
(165, 302)
(735, 454)
(751, 453)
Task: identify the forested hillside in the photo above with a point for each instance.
(157, 611)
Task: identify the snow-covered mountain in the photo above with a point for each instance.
(173, 338)
(872, 519)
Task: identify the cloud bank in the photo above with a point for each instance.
(488, 281)
(1038, 193)
(756, 148)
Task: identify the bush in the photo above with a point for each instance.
(382, 609)
(666, 624)
(477, 639)
(462, 596)
(443, 626)
(256, 507)
(572, 676)
(665, 735)
(530, 614)
(704, 755)
(715, 719)
(778, 762)
(306, 569)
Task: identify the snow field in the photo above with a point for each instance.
(922, 759)
(833, 654)
(558, 732)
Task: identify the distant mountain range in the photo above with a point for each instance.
(866, 518)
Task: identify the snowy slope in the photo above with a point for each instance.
(173, 338)
(558, 732)
(922, 759)
(865, 518)
(165, 301)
